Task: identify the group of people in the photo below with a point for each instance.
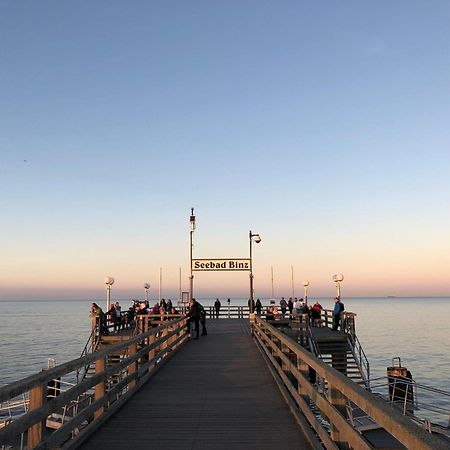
(121, 320)
(296, 307)
(197, 315)
(162, 308)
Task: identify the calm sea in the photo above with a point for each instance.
(416, 329)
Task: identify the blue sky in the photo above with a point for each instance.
(322, 126)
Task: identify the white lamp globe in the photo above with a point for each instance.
(306, 283)
(146, 286)
(109, 280)
(338, 277)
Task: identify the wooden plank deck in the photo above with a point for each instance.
(216, 393)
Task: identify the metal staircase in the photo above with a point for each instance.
(341, 356)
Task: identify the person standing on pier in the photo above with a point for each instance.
(217, 306)
(316, 312)
(337, 312)
(203, 319)
(194, 316)
(97, 312)
(283, 305)
(118, 318)
(258, 307)
(290, 305)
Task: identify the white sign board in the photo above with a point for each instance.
(220, 264)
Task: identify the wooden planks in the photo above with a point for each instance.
(216, 393)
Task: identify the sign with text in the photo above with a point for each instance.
(221, 264)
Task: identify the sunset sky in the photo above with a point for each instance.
(323, 126)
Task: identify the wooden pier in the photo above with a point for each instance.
(248, 384)
(217, 393)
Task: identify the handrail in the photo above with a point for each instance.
(91, 343)
(142, 356)
(288, 356)
(381, 385)
(360, 358)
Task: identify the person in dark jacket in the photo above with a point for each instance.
(97, 312)
(194, 317)
(337, 312)
(258, 307)
(203, 319)
(217, 306)
(290, 305)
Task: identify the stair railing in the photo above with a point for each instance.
(90, 347)
(360, 358)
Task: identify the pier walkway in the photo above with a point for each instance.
(216, 393)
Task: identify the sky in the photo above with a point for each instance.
(322, 126)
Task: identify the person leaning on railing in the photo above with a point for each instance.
(97, 312)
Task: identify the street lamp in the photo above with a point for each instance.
(191, 246)
(338, 278)
(305, 287)
(109, 281)
(252, 238)
(146, 288)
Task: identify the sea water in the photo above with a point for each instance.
(415, 329)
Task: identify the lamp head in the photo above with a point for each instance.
(256, 238)
(192, 220)
(146, 286)
(306, 283)
(338, 277)
(109, 281)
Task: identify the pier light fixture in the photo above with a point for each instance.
(253, 237)
(305, 287)
(338, 278)
(109, 281)
(146, 288)
(191, 247)
(192, 220)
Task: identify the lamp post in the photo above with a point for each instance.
(109, 281)
(252, 238)
(146, 288)
(305, 287)
(191, 246)
(292, 283)
(338, 278)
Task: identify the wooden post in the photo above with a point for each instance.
(37, 399)
(163, 345)
(152, 352)
(303, 368)
(338, 401)
(285, 351)
(100, 366)
(132, 368)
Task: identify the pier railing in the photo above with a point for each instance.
(292, 366)
(82, 407)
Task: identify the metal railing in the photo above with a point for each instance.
(425, 404)
(292, 365)
(360, 358)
